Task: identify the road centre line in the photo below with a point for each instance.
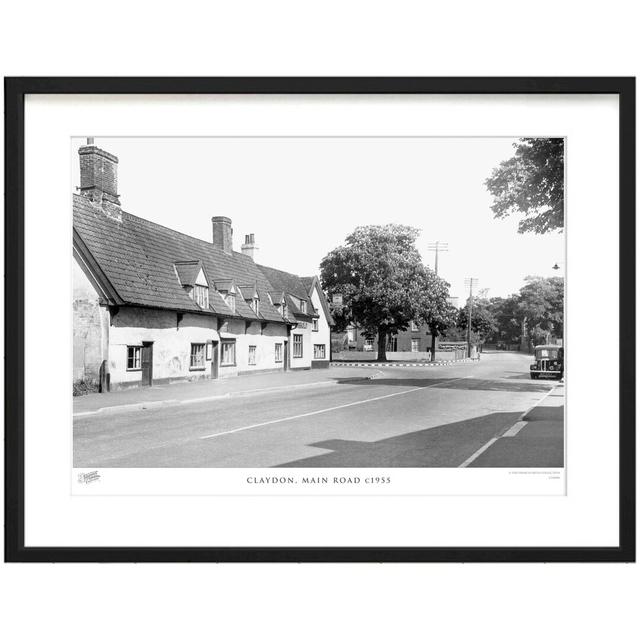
(314, 413)
(478, 453)
(514, 430)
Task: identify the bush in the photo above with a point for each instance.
(84, 387)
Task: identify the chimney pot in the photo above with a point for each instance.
(222, 233)
(249, 247)
(98, 174)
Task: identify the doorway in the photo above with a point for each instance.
(147, 364)
(214, 360)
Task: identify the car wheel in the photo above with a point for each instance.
(534, 376)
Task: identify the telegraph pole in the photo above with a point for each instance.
(471, 282)
(437, 247)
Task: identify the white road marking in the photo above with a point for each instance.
(514, 430)
(479, 452)
(544, 397)
(314, 413)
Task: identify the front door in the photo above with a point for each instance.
(147, 364)
(214, 360)
(286, 355)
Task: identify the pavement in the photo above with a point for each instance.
(201, 390)
(536, 440)
(467, 414)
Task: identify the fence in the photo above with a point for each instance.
(407, 356)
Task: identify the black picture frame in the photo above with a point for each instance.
(15, 91)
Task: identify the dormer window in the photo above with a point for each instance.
(228, 289)
(194, 281)
(201, 296)
(278, 301)
(303, 306)
(250, 296)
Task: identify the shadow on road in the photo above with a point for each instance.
(470, 384)
(546, 414)
(445, 446)
(516, 376)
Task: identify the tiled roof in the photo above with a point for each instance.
(138, 257)
(292, 285)
(309, 282)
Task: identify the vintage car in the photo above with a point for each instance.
(549, 361)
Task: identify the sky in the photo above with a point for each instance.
(301, 197)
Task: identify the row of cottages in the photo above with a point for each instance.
(153, 305)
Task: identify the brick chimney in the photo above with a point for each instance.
(249, 247)
(98, 174)
(222, 233)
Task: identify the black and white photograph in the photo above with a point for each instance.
(318, 303)
(360, 315)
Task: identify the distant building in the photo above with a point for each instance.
(416, 339)
(153, 305)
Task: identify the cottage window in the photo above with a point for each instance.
(414, 326)
(252, 354)
(351, 334)
(297, 345)
(228, 353)
(318, 352)
(134, 355)
(278, 351)
(315, 324)
(368, 344)
(255, 305)
(392, 345)
(197, 356)
(303, 306)
(415, 345)
(201, 296)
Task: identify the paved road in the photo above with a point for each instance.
(413, 417)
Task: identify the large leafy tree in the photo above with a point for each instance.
(383, 283)
(483, 322)
(541, 305)
(508, 318)
(434, 308)
(531, 183)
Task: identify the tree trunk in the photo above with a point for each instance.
(433, 346)
(382, 345)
